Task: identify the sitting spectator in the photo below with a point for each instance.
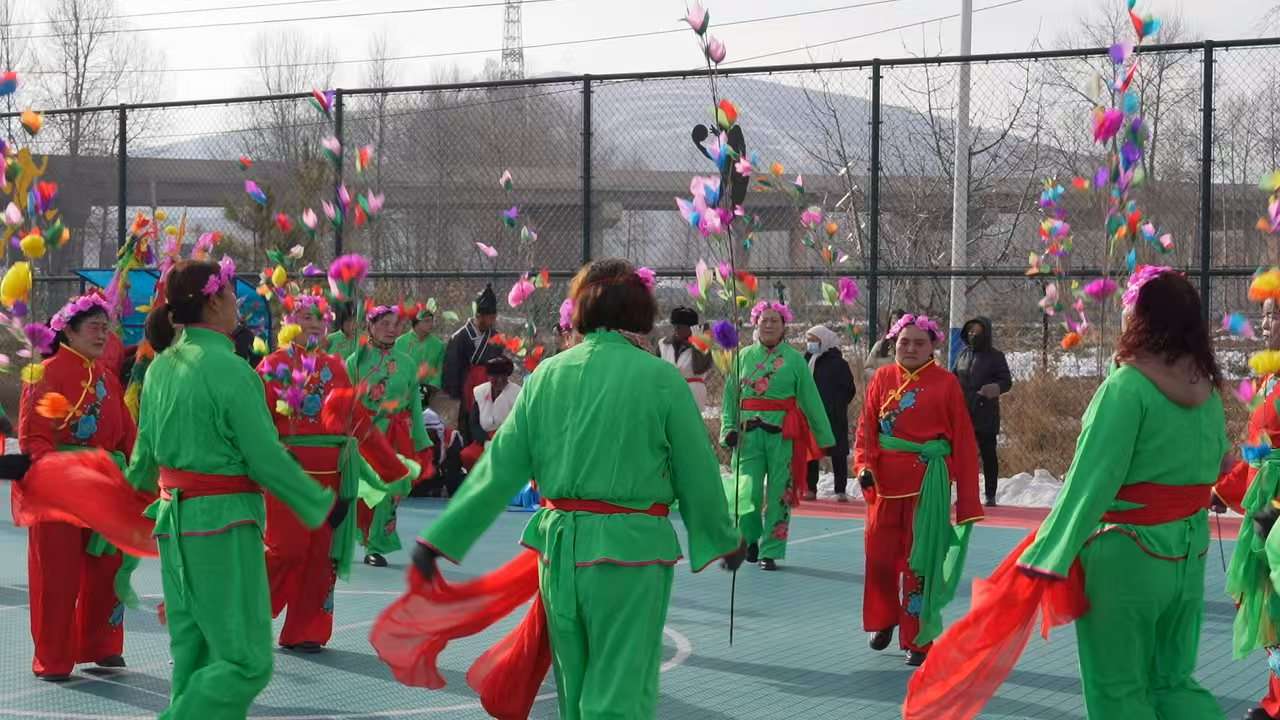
(493, 402)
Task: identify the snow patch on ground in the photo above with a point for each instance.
(1038, 489)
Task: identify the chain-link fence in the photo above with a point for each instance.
(596, 161)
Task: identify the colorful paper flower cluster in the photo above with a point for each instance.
(921, 322)
(1143, 275)
(225, 276)
(765, 306)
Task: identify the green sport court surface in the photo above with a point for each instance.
(799, 651)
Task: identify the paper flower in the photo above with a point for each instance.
(520, 291)
(288, 333)
(345, 274)
(344, 197)
(509, 216)
(255, 193)
(811, 218)
(648, 277)
(1140, 277)
(725, 334)
(726, 114)
(488, 250)
(53, 406)
(309, 220)
(715, 50)
(33, 245)
(40, 337)
(284, 223)
(847, 290)
(1245, 391)
(216, 282)
(1070, 340)
(323, 101)
(1106, 123)
(46, 193)
(12, 215)
(1238, 326)
(1101, 289)
(1120, 52)
(505, 181)
(698, 18)
(1265, 362)
(371, 202)
(74, 307)
(279, 276)
(8, 83)
(766, 305)
(566, 314)
(364, 158)
(15, 286)
(332, 149)
(31, 121)
(260, 346)
(527, 234)
(743, 167)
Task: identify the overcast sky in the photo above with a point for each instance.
(1011, 28)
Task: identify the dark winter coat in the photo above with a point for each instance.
(979, 366)
(835, 384)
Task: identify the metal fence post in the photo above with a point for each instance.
(586, 169)
(873, 208)
(122, 176)
(1206, 180)
(337, 132)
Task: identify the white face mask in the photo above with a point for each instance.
(813, 347)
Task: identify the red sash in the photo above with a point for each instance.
(695, 380)
(795, 427)
(476, 376)
(410, 634)
(195, 484)
(974, 656)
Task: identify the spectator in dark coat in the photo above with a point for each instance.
(835, 384)
(984, 377)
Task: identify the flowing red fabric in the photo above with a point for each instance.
(410, 634)
(804, 446)
(974, 656)
(87, 489)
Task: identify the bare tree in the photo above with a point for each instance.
(15, 52)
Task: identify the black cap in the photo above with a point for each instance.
(499, 366)
(684, 316)
(487, 302)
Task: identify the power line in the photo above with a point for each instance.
(562, 43)
(273, 21)
(190, 11)
(860, 36)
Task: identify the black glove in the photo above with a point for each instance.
(14, 467)
(866, 479)
(339, 513)
(1264, 519)
(424, 559)
(734, 560)
(731, 440)
(1216, 505)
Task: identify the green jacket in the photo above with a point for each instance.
(390, 376)
(342, 346)
(603, 421)
(1131, 433)
(428, 352)
(777, 375)
(205, 413)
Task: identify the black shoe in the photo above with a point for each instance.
(991, 501)
(307, 647)
(1257, 714)
(113, 662)
(753, 553)
(375, 560)
(881, 639)
(768, 564)
(55, 677)
(915, 658)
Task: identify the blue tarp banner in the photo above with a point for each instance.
(142, 285)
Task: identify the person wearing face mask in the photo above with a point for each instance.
(390, 379)
(835, 384)
(775, 421)
(984, 376)
(1231, 491)
(915, 442)
(692, 363)
(79, 583)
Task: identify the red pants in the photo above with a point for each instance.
(299, 569)
(891, 592)
(1271, 703)
(75, 616)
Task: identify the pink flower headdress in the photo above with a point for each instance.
(765, 305)
(920, 321)
(78, 306)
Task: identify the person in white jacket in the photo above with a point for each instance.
(692, 363)
(495, 398)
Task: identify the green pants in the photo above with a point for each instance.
(379, 524)
(219, 617)
(1139, 641)
(764, 460)
(606, 638)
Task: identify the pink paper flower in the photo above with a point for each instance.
(919, 321)
(715, 50)
(765, 305)
(1101, 289)
(566, 313)
(648, 277)
(847, 290)
(698, 18)
(520, 291)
